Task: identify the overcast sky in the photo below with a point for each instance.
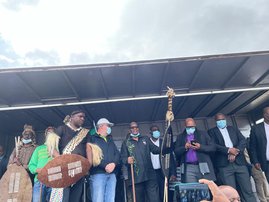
(61, 32)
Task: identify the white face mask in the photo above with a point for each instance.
(26, 141)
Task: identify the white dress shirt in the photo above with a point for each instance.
(266, 127)
(226, 137)
(155, 158)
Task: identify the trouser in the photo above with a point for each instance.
(147, 191)
(234, 174)
(160, 181)
(266, 172)
(192, 173)
(44, 196)
(74, 193)
(103, 187)
(261, 184)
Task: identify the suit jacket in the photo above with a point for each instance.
(203, 156)
(257, 145)
(221, 155)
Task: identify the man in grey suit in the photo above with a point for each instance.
(259, 144)
(229, 158)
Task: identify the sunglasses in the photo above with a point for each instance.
(133, 127)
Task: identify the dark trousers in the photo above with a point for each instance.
(160, 181)
(234, 174)
(147, 191)
(266, 172)
(74, 193)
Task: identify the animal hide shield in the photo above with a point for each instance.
(64, 171)
(15, 185)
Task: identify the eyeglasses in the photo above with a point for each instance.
(134, 127)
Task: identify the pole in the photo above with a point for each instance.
(133, 183)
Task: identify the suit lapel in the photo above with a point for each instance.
(220, 137)
(262, 132)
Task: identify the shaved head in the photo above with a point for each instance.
(230, 193)
(189, 122)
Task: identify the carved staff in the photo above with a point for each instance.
(167, 140)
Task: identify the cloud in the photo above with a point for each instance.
(8, 56)
(161, 29)
(41, 58)
(16, 4)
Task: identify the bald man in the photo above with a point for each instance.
(230, 193)
(229, 158)
(192, 149)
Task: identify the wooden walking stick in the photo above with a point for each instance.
(167, 141)
(133, 182)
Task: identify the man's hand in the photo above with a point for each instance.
(233, 151)
(110, 167)
(215, 191)
(196, 146)
(172, 178)
(187, 145)
(130, 160)
(231, 158)
(258, 166)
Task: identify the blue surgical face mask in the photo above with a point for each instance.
(190, 130)
(108, 130)
(156, 134)
(26, 141)
(134, 135)
(221, 123)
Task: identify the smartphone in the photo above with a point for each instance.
(193, 142)
(192, 192)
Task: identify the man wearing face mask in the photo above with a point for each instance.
(156, 162)
(103, 177)
(3, 161)
(229, 157)
(136, 150)
(25, 148)
(192, 149)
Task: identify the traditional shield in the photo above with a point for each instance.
(15, 185)
(64, 171)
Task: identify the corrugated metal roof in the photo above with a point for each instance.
(130, 91)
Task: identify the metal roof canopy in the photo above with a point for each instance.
(123, 92)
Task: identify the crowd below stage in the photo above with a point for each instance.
(221, 156)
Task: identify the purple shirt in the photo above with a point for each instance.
(191, 156)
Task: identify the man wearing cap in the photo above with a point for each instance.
(102, 177)
(72, 129)
(192, 149)
(136, 150)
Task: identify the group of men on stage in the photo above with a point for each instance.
(216, 155)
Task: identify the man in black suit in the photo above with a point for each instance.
(192, 150)
(229, 158)
(259, 144)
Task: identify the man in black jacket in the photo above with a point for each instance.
(259, 144)
(136, 150)
(102, 177)
(3, 161)
(192, 149)
(229, 157)
(157, 166)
